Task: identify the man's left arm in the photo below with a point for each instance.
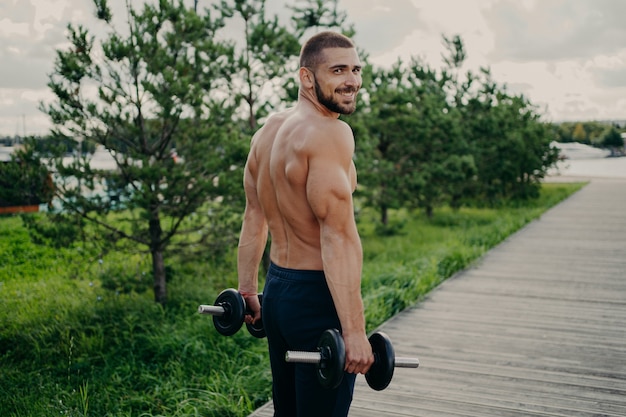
(252, 240)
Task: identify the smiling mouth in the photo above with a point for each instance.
(347, 93)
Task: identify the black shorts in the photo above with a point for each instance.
(297, 308)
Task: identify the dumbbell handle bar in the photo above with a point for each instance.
(316, 357)
(212, 310)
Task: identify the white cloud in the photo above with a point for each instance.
(565, 56)
(9, 28)
(557, 29)
(381, 24)
(568, 55)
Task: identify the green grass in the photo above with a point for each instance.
(69, 347)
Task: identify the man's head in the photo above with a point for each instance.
(312, 51)
(329, 64)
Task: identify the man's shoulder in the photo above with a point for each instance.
(271, 126)
(332, 129)
(329, 137)
(279, 117)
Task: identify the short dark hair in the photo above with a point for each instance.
(311, 53)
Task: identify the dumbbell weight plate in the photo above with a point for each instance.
(380, 374)
(257, 329)
(333, 354)
(233, 304)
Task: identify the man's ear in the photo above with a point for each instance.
(307, 79)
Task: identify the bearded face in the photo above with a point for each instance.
(342, 100)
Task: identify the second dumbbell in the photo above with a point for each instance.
(330, 359)
(229, 311)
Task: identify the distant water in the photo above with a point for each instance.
(583, 161)
(588, 162)
(592, 168)
(5, 153)
(101, 159)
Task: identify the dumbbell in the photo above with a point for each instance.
(330, 359)
(228, 313)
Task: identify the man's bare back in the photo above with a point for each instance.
(283, 150)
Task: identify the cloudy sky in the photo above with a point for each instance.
(566, 56)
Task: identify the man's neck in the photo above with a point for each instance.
(308, 99)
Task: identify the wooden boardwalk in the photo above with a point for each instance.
(536, 328)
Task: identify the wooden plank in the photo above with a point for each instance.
(536, 328)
